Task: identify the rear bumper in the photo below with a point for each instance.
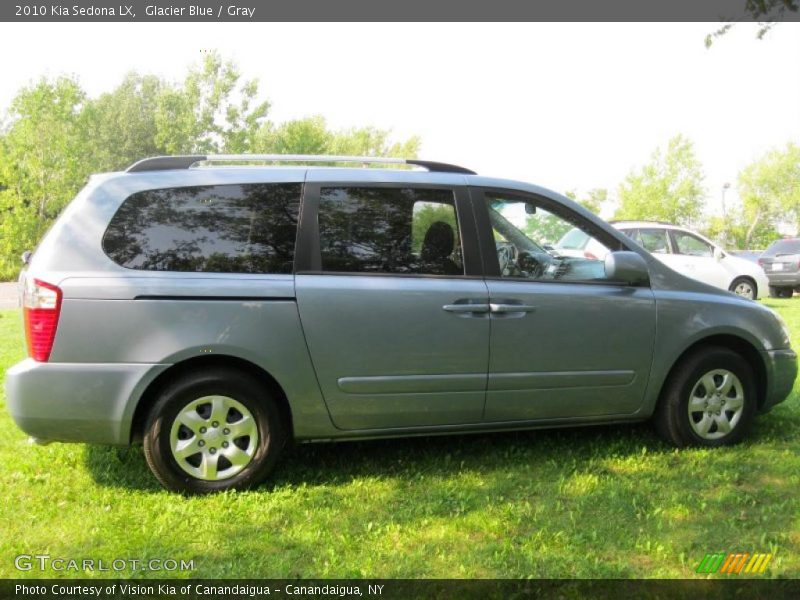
(76, 402)
(781, 373)
(777, 279)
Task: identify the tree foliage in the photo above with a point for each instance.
(53, 137)
(766, 12)
(770, 192)
(668, 188)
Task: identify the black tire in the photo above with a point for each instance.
(221, 382)
(743, 283)
(672, 419)
(780, 292)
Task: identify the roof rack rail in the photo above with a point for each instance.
(163, 163)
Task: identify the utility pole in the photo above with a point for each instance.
(725, 187)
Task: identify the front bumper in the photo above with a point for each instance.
(77, 402)
(781, 373)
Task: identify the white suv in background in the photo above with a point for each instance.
(682, 250)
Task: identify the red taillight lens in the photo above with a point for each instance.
(41, 304)
(761, 262)
(589, 255)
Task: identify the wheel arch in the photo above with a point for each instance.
(732, 342)
(758, 291)
(150, 394)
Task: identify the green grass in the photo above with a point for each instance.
(591, 502)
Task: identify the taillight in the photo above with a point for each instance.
(761, 262)
(589, 255)
(41, 304)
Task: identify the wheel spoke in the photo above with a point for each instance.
(704, 425)
(734, 403)
(723, 425)
(208, 465)
(219, 409)
(192, 420)
(709, 384)
(727, 384)
(236, 455)
(697, 404)
(242, 427)
(186, 448)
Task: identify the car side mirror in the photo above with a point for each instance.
(718, 254)
(628, 267)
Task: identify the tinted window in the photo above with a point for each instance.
(686, 243)
(389, 230)
(783, 247)
(219, 229)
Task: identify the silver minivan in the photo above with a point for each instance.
(216, 312)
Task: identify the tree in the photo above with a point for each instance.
(42, 164)
(123, 123)
(770, 192)
(669, 188)
(593, 201)
(203, 116)
(54, 137)
(312, 136)
(766, 12)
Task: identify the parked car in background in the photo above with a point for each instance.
(216, 313)
(685, 251)
(781, 263)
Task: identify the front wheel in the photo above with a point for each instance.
(709, 400)
(211, 431)
(744, 287)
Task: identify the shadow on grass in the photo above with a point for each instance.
(341, 462)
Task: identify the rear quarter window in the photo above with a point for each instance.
(247, 228)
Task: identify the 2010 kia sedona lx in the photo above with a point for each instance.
(217, 312)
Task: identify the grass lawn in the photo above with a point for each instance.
(591, 502)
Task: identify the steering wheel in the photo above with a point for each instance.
(531, 264)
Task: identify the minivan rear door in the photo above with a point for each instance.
(393, 304)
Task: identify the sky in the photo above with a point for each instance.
(568, 106)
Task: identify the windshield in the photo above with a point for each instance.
(783, 247)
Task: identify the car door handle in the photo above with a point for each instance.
(466, 308)
(511, 308)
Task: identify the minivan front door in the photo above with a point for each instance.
(565, 341)
(393, 307)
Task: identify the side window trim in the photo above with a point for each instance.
(308, 258)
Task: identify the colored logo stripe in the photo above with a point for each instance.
(734, 563)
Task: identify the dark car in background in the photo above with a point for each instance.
(781, 263)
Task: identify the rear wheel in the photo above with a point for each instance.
(744, 287)
(212, 431)
(709, 400)
(780, 292)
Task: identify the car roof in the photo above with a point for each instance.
(649, 224)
